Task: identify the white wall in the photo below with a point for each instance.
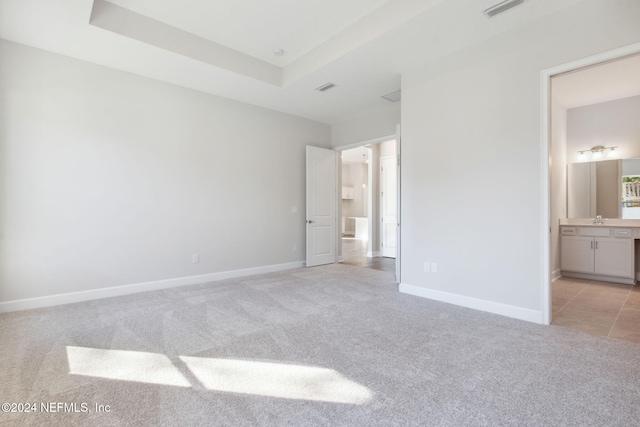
(368, 126)
(110, 179)
(631, 167)
(472, 158)
(613, 123)
(388, 148)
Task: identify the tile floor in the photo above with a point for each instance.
(354, 252)
(598, 308)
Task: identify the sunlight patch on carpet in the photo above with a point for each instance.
(276, 380)
(125, 365)
(268, 379)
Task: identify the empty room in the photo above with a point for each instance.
(178, 213)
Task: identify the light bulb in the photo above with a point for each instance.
(613, 153)
(597, 155)
(582, 157)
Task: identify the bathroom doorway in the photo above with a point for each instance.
(582, 97)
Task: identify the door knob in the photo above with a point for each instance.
(309, 221)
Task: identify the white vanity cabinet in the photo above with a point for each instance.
(598, 252)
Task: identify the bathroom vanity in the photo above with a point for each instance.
(599, 251)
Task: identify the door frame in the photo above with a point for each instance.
(396, 136)
(545, 145)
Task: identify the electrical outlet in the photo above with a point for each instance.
(427, 268)
(294, 210)
(195, 258)
(295, 248)
(434, 267)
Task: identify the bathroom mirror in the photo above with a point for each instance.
(596, 188)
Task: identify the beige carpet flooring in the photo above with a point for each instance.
(328, 346)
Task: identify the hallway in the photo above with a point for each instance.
(354, 252)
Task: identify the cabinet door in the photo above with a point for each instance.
(577, 254)
(347, 193)
(614, 257)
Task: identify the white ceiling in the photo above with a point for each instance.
(257, 27)
(223, 47)
(601, 83)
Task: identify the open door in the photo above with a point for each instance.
(389, 206)
(398, 199)
(321, 206)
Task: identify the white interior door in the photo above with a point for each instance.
(389, 206)
(321, 206)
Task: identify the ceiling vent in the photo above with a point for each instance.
(325, 86)
(501, 7)
(393, 96)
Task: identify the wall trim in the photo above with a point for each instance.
(474, 303)
(115, 291)
(556, 274)
(600, 277)
(373, 254)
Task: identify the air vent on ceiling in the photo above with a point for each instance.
(325, 86)
(501, 7)
(393, 96)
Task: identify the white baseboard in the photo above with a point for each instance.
(371, 254)
(474, 303)
(556, 274)
(340, 258)
(115, 291)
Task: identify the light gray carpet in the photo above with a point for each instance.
(334, 345)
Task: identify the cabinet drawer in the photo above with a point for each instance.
(568, 231)
(595, 231)
(622, 232)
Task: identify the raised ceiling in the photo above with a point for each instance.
(257, 27)
(224, 47)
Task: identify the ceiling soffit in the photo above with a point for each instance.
(130, 24)
(119, 20)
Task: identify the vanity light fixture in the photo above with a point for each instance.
(597, 153)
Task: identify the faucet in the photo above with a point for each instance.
(599, 220)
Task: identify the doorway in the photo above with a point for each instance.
(368, 205)
(587, 303)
